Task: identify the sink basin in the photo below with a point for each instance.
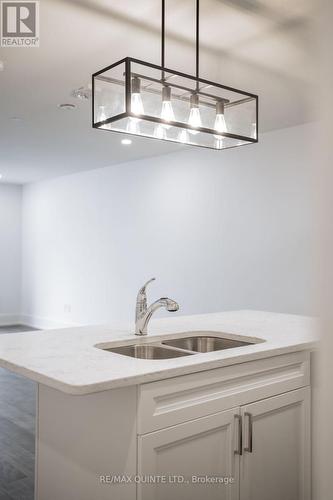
(204, 344)
(184, 344)
(148, 352)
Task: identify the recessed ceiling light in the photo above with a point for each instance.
(67, 106)
(0, 177)
(126, 142)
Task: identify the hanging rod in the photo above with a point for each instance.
(197, 48)
(197, 42)
(163, 38)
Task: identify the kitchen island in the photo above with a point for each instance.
(227, 424)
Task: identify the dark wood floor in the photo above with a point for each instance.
(17, 432)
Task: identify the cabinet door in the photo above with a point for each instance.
(175, 457)
(276, 459)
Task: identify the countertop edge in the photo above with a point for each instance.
(83, 390)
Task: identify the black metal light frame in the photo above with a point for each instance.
(199, 83)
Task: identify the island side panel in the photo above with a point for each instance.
(82, 441)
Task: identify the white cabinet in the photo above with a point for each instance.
(170, 430)
(180, 457)
(264, 446)
(277, 463)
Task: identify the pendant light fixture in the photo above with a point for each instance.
(140, 98)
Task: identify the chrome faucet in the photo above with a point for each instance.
(144, 313)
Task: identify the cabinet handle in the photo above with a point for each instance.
(239, 449)
(249, 447)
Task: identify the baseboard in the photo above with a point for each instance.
(44, 323)
(10, 319)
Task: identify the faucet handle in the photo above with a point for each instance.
(141, 300)
(143, 288)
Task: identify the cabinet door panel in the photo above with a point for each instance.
(278, 467)
(205, 446)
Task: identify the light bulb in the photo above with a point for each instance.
(160, 132)
(137, 105)
(183, 137)
(136, 99)
(194, 119)
(167, 113)
(220, 124)
(133, 126)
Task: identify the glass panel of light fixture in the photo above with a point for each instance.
(146, 128)
(109, 94)
(218, 109)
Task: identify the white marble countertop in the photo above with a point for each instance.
(68, 360)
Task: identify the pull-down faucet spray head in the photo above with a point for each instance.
(169, 304)
(144, 313)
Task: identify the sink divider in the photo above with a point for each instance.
(170, 348)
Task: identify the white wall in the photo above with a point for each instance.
(220, 230)
(323, 395)
(10, 253)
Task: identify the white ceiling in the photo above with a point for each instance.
(263, 46)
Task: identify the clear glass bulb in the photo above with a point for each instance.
(160, 132)
(133, 126)
(220, 124)
(167, 113)
(137, 104)
(195, 118)
(183, 137)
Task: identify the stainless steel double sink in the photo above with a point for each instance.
(185, 344)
